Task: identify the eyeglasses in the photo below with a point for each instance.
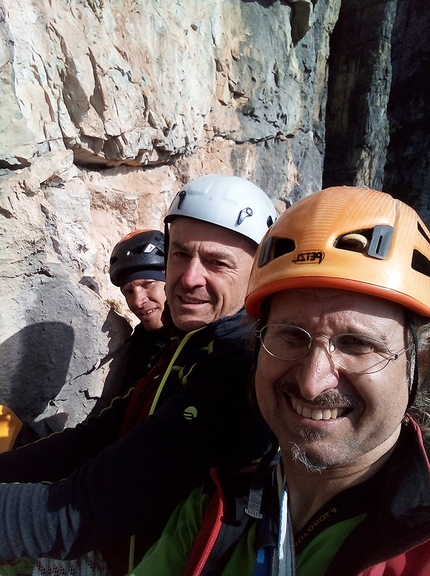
(355, 353)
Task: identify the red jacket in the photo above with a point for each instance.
(393, 540)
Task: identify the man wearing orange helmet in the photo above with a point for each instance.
(340, 288)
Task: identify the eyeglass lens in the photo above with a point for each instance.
(357, 353)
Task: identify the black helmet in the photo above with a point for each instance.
(138, 255)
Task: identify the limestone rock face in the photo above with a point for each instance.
(108, 107)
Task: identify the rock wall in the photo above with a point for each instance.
(407, 168)
(109, 106)
(359, 88)
(378, 119)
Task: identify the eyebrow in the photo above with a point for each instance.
(216, 254)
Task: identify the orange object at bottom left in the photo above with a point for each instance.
(10, 425)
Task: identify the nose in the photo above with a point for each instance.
(316, 372)
(193, 274)
(138, 298)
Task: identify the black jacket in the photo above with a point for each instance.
(116, 487)
(143, 346)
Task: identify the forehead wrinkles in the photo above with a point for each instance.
(189, 230)
(207, 249)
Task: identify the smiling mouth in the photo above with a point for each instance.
(148, 312)
(191, 301)
(316, 413)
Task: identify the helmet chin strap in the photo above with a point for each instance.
(414, 383)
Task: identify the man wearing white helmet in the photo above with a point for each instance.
(125, 471)
(208, 264)
(340, 289)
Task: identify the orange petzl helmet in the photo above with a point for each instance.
(347, 238)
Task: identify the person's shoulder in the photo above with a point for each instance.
(237, 327)
(228, 336)
(141, 335)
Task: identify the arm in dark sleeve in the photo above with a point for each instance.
(135, 483)
(144, 346)
(56, 456)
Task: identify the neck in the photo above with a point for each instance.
(310, 491)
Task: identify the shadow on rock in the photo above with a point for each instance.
(34, 366)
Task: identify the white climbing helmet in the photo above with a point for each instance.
(227, 201)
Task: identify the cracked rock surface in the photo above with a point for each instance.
(108, 108)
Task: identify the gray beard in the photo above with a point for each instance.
(299, 455)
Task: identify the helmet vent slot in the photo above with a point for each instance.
(137, 250)
(145, 249)
(245, 213)
(273, 248)
(182, 194)
(422, 232)
(420, 263)
(354, 241)
(374, 242)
